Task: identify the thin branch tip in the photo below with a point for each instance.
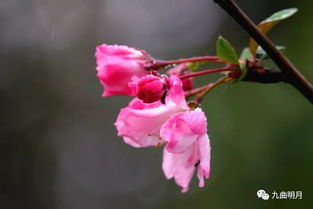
(291, 74)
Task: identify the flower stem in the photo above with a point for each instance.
(209, 87)
(215, 70)
(195, 91)
(157, 64)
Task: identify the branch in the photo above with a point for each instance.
(292, 74)
(209, 87)
(264, 76)
(157, 64)
(204, 72)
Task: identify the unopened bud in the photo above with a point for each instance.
(151, 88)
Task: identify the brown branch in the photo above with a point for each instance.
(292, 74)
(265, 76)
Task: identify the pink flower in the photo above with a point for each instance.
(117, 65)
(187, 148)
(151, 88)
(182, 69)
(139, 123)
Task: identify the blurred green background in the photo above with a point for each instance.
(58, 145)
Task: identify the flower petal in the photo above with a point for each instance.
(179, 166)
(183, 129)
(205, 158)
(141, 122)
(116, 65)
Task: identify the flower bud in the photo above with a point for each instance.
(117, 66)
(151, 88)
(187, 84)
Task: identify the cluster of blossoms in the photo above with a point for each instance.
(160, 113)
(163, 114)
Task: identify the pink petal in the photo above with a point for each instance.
(176, 93)
(179, 167)
(187, 147)
(141, 122)
(177, 133)
(183, 129)
(116, 65)
(205, 156)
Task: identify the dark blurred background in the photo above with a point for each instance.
(58, 145)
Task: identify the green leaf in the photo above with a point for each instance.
(266, 25)
(246, 54)
(244, 71)
(261, 53)
(225, 51)
(280, 15)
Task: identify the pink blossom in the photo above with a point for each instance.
(182, 69)
(187, 148)
(139, 123)
(117, 65)
(151, 88)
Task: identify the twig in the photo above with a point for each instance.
(195, 91)
(215, 70)
(264, 76)
(209, 87)
(157, 64)
(292, 74)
